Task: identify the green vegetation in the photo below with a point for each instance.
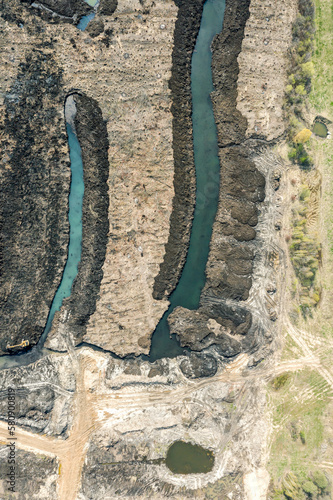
(320, 479)
(280, 381)
(322, 96)
(305, 254)
(299, 154)
(300, 487)
(299, 409)
(299, 81)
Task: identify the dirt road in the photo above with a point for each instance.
(92, 411)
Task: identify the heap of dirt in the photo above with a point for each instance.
(59, 10)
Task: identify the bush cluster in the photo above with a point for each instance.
(300, 74)
(313, 485)
(298, 154)
(280, 381)
(304, 252)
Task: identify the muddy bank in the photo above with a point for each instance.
(35, 177)
(69, 11)
(185, 35)
(220, 319)
(93, 138)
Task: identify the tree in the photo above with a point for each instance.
(307, 69)
(300, 90)
(292, 79)
(289, 89)
(320, 479)
(310, 488)
(302, 136)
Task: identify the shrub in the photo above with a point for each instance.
(292, 154)
(289, 89)
(292, 79)
(310, 488)
(308, 69)
(293, 431)
(298, 154)
(300, 90)
(280, 381)
(306, 8)
(304, 254)
(306, 161)
(302, 437)
(305, 193)
(293, 122)
(278, 495)
(291, 487)
(303, 136)
(320, 479)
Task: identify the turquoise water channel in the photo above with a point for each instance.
(187, 292)
(75, 202)
(85, 20)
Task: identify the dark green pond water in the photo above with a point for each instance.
(320, 129)
(187, 293)
(187, 458)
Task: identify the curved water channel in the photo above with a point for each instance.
(187, 292)
(207, 166)
(85, 20)
(75, 201)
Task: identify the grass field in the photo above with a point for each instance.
(321, 97)
(321, 102)
(301, 408)
(298, 416)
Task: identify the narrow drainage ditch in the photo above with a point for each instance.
(207, 166)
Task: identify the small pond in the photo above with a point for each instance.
(320, 129)
(187, 458)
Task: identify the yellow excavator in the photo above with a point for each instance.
(24, 343)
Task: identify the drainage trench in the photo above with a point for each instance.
(207, 166)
